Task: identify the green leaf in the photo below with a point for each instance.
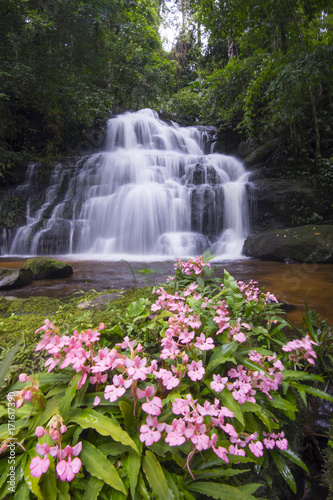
(258, 410)
(313, 391)
(65, 402)
(94, 487)
(155, 476)
(102, 424)
(100, 467)
(233, 296)
(282, 404)
(220, 491)
(63, 490)
(22, 492)
(7, 362)
(229, 401)
(132, 464)
(284, 470)
(221, 355)
(288, 453)
(299, 375)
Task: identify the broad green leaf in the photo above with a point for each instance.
(4, 429)
(288, 453)
(216, 473)
(131, 424)
(313, 391)
(65, 402)
(91, 419)
(100, 467)
(22, 492)
(233, 296)
(220, 491)
(132, 464)
(155, 476)
(298, 375)
(221, 355)
(284, 470)
(229, 401)
(49, 483)
(63, 490)
(282, 404)
(7, 362)
(94, 487)
(258, 410)
(171, 483)
(112, 448)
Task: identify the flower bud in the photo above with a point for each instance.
(63, 429)
(27, 396)
(23, 377)
(40, 431)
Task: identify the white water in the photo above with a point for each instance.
(152, 192)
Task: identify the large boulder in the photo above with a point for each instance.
(47, 268)
(304, 243)
(13, 278)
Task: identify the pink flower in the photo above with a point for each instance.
(175, 432)
(45, 449)
(39, 466)
(112, 392)
(67, 470)
(97, 400)
(153, 407)
(195, 370)
(151, 432)
(257, 448)
(218, 383)
(23, 377)
(204, 344)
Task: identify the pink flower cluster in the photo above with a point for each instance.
(252, 292)
(247, 382)
(198, 424)
(301, 349)
(123, 370)
(66, 469)
(279, 440)
(29, 393)
(191, 266)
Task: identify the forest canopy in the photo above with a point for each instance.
(257, 67)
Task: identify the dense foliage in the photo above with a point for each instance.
(192, 394)
(65, 65)
(259, 68)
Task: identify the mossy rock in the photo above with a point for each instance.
(310, 243)
(13, 278)
(47, 268)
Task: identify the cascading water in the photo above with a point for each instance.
(152, 192)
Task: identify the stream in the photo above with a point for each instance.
(291, 283)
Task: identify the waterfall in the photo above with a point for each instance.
(152, 192)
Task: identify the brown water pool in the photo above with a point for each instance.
(291, 283)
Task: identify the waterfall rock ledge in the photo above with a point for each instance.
(312, 243)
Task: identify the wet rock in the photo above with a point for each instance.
(13, 278)
(262, 153)
(99, 301)
(301, 244)
(46, 268)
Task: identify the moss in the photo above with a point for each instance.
(45, 267)
(20, 318)
(12, 212)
